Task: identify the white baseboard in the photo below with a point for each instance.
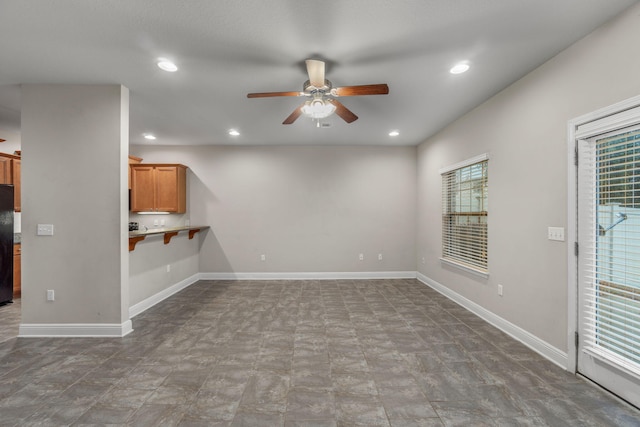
(310, 276)
(146, 304)
(541, 347)
(36, 330)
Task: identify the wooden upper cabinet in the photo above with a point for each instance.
(10, 174)
(158, 188)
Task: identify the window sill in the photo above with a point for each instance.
(475, 271)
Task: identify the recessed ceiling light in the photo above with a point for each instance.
(459, 68)
(149, 136)
(234, 132)
(167, 65)
(394, 133)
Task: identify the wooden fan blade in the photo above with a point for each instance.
(293, 116)
(270, 94)
(380, 89)
(315, 69)
(342, 111)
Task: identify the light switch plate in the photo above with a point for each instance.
(45, 230)
(556, 233)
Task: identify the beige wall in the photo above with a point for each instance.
(524, 129)
(308, 209)
(74, 176)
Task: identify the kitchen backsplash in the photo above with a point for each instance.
(156, 221)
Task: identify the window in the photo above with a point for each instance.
(464, 214)
(616, 296)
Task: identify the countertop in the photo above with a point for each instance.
(152, 231)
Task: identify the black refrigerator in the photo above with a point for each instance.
(6, 243)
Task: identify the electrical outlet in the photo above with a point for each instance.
(500, 290)
(168, 268)
(51, 295)
(424, 260)
(263, 257)
(379, 257)
(162, 222)
(361, 257)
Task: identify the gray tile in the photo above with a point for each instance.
(329, 422)
(248, 419)
(319, 377)
(265, 392)
(99, 414)
(418, 422)
(441, 386)
(521, 422)
(124, 396)
(559, 412)
(406, 404)
(307, 405)
(172, 394)
(355, 383)
(152, 415)
(352, 410)
(348, 362)
(215, 405)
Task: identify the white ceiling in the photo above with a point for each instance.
(228, 48)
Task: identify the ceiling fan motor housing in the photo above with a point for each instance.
(308, 89)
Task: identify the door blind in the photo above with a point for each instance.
(464, 215)
(611, 237)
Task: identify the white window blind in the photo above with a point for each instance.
(464, 215)
(611, 237)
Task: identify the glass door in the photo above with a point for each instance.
(609, 261)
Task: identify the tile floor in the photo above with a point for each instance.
(298, 353)
(10, 320)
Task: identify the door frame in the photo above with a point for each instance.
(627, 113)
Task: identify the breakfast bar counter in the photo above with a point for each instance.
(139, 235)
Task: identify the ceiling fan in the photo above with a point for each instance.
(322, 95)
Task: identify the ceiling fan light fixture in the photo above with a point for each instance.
(394, 133)
(317, 108)
(234, 132)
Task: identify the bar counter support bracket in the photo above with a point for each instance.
(168, 236)
(133, 241)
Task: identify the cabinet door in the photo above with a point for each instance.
(170, 189)
(5, 170)
(142, 188)
(17, 271)
(15, 172)
(133, 160)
